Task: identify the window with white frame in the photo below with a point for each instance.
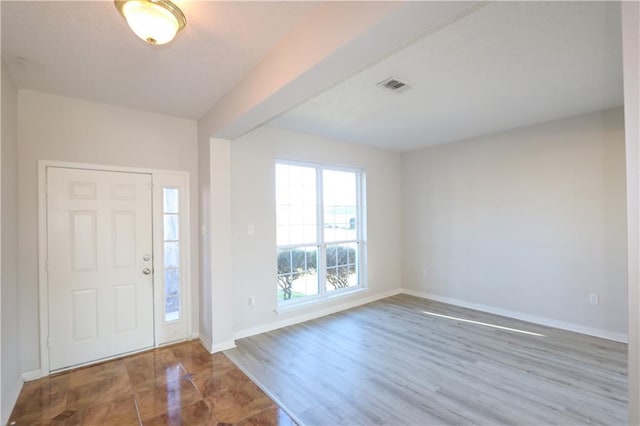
(319, 228)
(171, 248)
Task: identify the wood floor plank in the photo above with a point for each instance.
(407, 360)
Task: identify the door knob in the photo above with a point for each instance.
(146, 271)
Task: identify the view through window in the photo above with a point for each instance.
(318, 211)
(171, 254)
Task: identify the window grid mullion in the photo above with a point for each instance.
(291, 263)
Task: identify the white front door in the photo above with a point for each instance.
(99, 264)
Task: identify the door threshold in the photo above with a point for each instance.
(116, 357)
(99, 361)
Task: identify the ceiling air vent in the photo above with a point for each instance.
(394, 84)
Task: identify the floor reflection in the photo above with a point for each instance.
(180, 384)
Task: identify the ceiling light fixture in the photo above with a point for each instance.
(154, 21)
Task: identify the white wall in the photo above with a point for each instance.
(631, 53)
(63, 129)
(10, 374)
(529, 221)
(253, 159)
(214, 186)
(204, 238)
(221, 254)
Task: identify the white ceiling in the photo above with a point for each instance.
(503, 65)
(506, 65)
(84, 49)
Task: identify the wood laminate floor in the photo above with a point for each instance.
(406, 360)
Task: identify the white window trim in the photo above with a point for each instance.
(361, 268)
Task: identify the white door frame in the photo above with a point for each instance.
(157, 218)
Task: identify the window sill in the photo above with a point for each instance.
(318, 300)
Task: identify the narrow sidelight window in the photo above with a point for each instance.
(171, 237)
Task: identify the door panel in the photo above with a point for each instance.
(99, 229)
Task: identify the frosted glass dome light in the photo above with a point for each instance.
(154, 21)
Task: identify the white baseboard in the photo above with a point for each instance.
(194, 336)
(223, 346)
(596, 332)
(218, 347)
(11, 399)
(313, 315)
(28, 376)
(204, 341)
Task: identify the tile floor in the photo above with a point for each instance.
(176, 385)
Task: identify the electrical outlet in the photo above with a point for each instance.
(252, 301)
(594, 299)
(250, 229)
